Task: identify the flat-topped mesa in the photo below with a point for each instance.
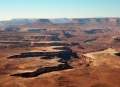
(43, 21)
(40, 23)
(113, 21)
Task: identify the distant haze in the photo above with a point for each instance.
(58, 8)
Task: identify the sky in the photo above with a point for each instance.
(58, 8)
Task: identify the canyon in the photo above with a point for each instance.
(60, 52)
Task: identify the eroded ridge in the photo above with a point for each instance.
(59, 55)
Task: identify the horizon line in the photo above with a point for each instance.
(56, 18)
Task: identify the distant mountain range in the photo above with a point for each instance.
(75, 23)
(20, 21)
(50, 22)
(90, 21)
(17, 21)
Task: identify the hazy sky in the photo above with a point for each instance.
(58, 8)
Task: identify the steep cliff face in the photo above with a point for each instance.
(39, 71)
(47, 69)
(113, 21)
(66, 55)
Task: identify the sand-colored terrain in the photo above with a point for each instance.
(85, 56)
